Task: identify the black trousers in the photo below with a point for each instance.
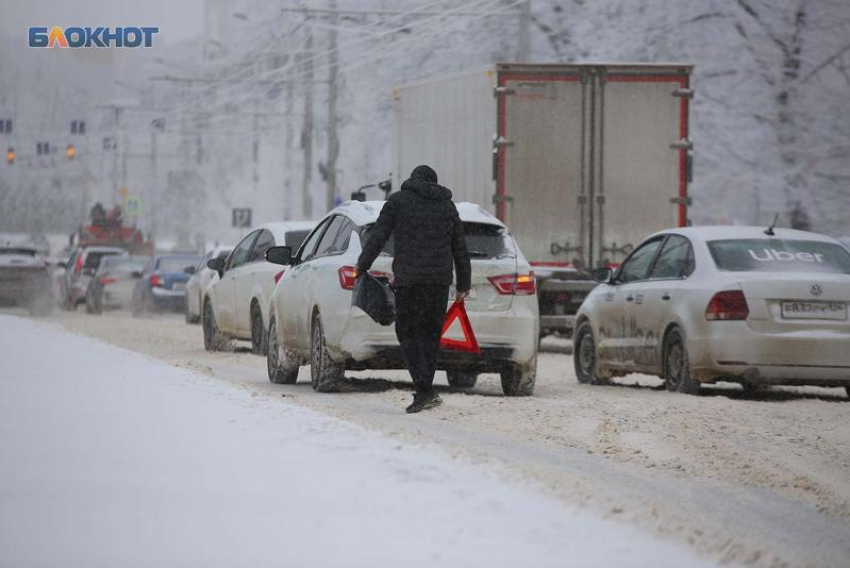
(420, 313)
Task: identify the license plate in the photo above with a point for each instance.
(814, 310)
(178, 286)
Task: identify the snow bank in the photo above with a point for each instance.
(113, 459)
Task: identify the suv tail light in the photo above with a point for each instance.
(727, 305)
(278, 276)
(108, 280)
(156, 280)
(515, 284)
(78, 268)
(347, 277)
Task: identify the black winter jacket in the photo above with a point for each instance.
(428, 236)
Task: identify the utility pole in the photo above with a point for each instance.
(153, 184)
(523, 46)
(333, 138)
(307, 130)
(118, 110)
(287, 153)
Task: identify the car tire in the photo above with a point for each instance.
(325, 373)
(677, 366)
(585, 355)
(848, 391)
(283, 369)
(93, 305)
(461, 379)
(259, 341)
(519, 380)
(213, 340)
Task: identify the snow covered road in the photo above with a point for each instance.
(110, 458)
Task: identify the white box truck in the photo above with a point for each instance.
(580, 161)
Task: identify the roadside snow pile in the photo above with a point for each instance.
(113, 459)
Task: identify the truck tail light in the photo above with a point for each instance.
(107, 280)
(727, 305)
(156, 280)
(515, 284)
(278, 276)
(347, 277)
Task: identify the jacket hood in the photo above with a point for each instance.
(426, 189)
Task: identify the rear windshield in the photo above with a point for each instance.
(779, 255)
(293, 239)
(123, 263)
(18, 251)
(93, 258)
(175, 263)
(482, 240)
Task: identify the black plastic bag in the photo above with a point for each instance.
(375, 296)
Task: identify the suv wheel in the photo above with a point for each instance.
(461, 379)
(677, 366)
(518, 380)
(283, 369)
(325, 374)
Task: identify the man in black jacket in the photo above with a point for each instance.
(428, 242)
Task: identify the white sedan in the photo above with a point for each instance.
(236, 305)
(704, 304)
(200, 280)
(312, 320)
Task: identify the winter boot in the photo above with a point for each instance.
(424, 401)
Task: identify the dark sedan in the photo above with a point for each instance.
(162, 285)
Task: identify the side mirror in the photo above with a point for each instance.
(136, 274)
(602, 275)
(279, 255)
(216, 264)
(189, 270)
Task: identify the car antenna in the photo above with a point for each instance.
(769, 232)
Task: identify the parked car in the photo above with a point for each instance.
(81, 267)
(25, 278)
(236, 306)
(199, 281)
(113, 283)
(312, 320)
(705, 304)
(162, 284)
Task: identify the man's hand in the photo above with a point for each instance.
(461, 296)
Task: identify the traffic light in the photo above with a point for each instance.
(10, 156)
(70, 151)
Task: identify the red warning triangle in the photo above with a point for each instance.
(469, 344)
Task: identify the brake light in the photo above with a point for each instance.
(727, 305)
(278, 276)
(79, 266)
(515, 284)
(106, 280)
(347, 277)
(156, 280)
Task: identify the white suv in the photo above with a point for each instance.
(312, 320)
(236, 305)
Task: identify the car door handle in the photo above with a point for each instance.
(665, 297)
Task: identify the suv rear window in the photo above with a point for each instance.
(779, 255)
(482, 240)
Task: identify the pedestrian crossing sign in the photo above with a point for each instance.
(457, 332)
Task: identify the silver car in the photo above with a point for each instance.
(313, 321)
(704, 304)
(112, 285)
